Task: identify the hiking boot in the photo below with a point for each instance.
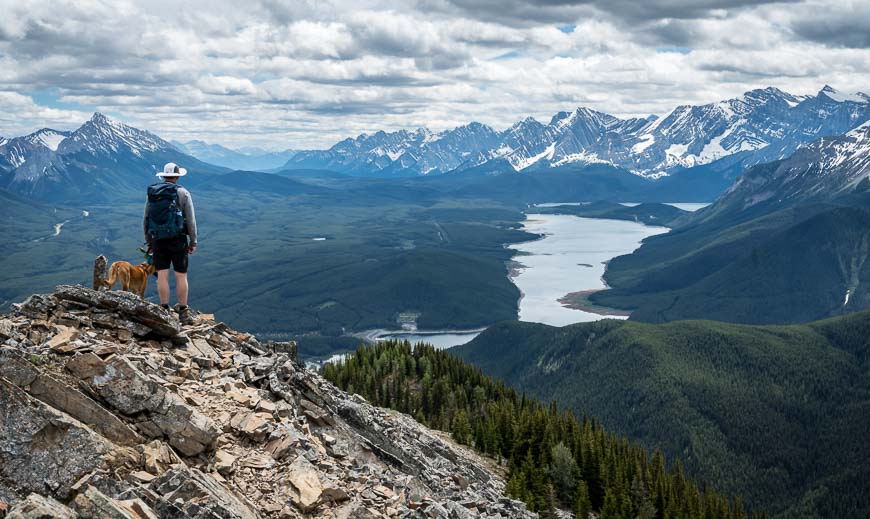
(185, 315)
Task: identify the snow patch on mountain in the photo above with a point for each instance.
(645, 142)
(49, 138)
(676, 152)
(579, 158)
(546, 154)
(17, 158)
(843, 97)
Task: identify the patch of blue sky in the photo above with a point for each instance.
(508, 55)
(51, 99)
(678, 50)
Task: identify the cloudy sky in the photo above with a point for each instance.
(304, 74)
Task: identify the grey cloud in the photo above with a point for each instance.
(305, 73)
(524, 12)
(676, 9)
(515, 13)
(836, 27)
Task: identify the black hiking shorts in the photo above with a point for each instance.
(171, 251)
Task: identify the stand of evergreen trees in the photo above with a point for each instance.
(554, 460)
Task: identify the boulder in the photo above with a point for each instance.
(101, 267)
(186, 429)
(86, 365)
(37, 306)
(126, 388)
(224, 462)
(43, 450)
(61, 340)
(157, 457)
(306, 483)
(131, 392)
(36, 506)
(15, 369)
(255, 426)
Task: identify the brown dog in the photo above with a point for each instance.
(133, 278)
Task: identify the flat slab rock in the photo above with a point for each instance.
(186, 492)
(160, 321)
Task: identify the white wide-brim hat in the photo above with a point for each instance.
(171, 169)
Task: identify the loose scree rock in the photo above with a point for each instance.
(110, 408)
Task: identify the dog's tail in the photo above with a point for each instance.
(113, 275)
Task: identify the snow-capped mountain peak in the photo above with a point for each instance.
(100, 156)
(47, 137)
(103, 134)
(766, 119)
(843, 97)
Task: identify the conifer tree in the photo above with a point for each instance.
(582, 504)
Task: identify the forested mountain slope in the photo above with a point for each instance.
(554, 460)
(788, 242)
(778, 414)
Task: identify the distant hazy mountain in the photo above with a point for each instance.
(251, 159)
(100, 158)
(788, 242)
(769, 120)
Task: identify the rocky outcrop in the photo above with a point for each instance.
(110, 408)
(43, 450)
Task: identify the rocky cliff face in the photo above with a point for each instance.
(109, 408)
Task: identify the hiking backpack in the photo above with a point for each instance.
(164, 217)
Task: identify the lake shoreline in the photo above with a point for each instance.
(580, 301)
(552, 289)
(380, 333)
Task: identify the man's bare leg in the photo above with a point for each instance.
(181, 288)
(163, 286)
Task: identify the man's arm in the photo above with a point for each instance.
(189, 215)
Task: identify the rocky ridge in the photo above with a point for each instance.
(110, 408)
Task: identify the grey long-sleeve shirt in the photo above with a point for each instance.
(186, 202)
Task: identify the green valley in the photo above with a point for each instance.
(282, 257)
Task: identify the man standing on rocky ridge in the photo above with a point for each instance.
(170, 233)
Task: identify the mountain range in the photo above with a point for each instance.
(249, 159)
(788, 242)
(102, 155)
(695, 152)
(767, 124)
